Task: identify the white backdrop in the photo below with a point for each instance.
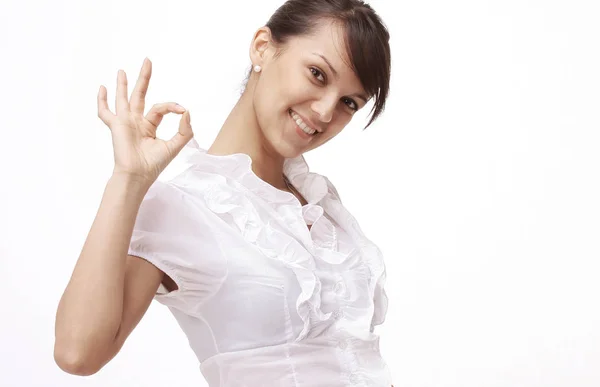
(480, 183)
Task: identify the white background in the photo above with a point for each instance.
(480, 183)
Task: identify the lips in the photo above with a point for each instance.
(306, 122)
(301, 133)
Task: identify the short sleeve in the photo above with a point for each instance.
(380, 301)
(380, 298)
(173, 233)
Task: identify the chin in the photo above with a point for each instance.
(284, 141)
(288, 151)
(278, 141)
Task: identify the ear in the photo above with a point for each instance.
(261, 42)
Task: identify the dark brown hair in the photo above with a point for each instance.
(366, 39)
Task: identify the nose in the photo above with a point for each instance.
(325, 107)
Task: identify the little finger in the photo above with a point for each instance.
(104, 112)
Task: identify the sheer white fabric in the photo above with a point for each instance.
(263, 300)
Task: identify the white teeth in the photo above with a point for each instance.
(305, 128)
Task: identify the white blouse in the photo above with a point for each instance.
(263, 300)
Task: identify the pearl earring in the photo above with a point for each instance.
(257, 68)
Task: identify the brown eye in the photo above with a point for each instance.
(316, 73)
(351, 104)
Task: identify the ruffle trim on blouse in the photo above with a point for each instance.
(370, 253)
(236, 175)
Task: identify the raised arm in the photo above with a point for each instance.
(109, 291)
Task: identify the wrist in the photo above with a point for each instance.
(131, 183)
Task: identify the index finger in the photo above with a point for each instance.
(138, 96)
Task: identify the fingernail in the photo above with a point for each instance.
(180, 108)
(188, 118)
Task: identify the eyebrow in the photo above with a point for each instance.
(361, 96)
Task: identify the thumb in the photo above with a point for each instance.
(183, 136)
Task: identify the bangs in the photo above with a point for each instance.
(368, 52)
(366, 39)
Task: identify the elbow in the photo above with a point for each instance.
(75, 362)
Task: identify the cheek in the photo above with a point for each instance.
(266, 103)
(275, 97)
(298, 88)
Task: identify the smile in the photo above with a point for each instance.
(301, 124)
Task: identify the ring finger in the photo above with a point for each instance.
(121, 103)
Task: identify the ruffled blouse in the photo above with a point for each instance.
(263, 299)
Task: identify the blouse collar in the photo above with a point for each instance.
(238, 166)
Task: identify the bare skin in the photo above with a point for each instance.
(260, 125)
(121, 286)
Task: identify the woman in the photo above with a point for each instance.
(267, 273)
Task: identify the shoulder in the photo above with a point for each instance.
(169, 208)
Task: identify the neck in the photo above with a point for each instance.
(241, 134)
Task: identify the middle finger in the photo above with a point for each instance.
(138, 96)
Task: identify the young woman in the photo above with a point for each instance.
(267, 273)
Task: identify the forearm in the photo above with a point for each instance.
(90, 310)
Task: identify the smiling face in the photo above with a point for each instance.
(308, 86)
